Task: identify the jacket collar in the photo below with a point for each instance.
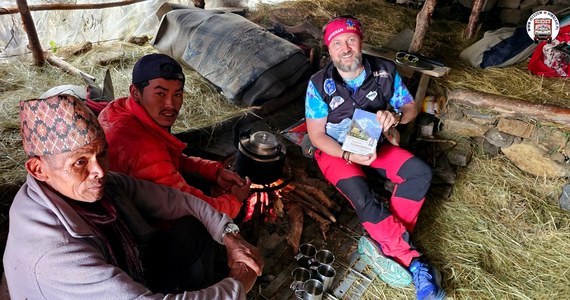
(145, 119)
(72, 222)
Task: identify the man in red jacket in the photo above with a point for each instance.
(141, 145)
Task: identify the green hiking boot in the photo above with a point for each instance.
(386, 268)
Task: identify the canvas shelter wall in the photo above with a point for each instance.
(71, 27)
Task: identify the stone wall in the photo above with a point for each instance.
(517, 12)
(541, 149)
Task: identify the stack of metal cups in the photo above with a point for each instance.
(315, 273)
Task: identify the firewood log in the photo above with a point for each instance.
(314, 182)
(295, 215)
(324, 224)
(317, 194)
(307, 201)
(278, 206)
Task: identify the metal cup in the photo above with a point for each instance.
(313, 290)
(306, 252)
(300, 276)
(326, 274)
(324, 257)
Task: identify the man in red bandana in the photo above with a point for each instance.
(353, 80)
(78, 231)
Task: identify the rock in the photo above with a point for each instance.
(549, 139)
(509, 3)
(516, 127)
(532, 160)
(460, 155)
(443, 172)
(565, 198)
(441, 190)
(513, 16)
(464, 127)
(498, 138)
(479, 117)
(486, 6)
(528, 4)
(558, 157)
(138, 40)
(487, 147)
(452, 112)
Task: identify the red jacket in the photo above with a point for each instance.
(141, 148)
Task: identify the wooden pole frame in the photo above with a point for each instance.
(58, 6)
(30, 28)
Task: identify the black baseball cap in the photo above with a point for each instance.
(156, 65)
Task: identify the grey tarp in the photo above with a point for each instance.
(248, 63)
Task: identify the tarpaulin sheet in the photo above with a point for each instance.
(248, 63)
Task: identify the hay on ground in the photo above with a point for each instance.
(501, 234)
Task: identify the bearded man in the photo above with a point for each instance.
(353, 80)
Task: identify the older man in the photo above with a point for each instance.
(78, 231)
(353, 80)
(141, 145)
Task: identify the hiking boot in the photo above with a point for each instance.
(387, 269)
(427, 280)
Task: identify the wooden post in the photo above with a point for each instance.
(474, 18)
(422, 22)
(30, 28)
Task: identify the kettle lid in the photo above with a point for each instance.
(262, 143)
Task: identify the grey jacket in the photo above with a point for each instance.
(52, 254)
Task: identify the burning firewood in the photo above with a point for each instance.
(278, 207)
(295, 214)
(306, 200)
(317, 194)
(324, 224)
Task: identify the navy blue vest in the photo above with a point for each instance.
(374, 94)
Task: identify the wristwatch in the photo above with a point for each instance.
(230, 228)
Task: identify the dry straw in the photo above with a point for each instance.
(501, 234)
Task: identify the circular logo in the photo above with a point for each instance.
(542, 25)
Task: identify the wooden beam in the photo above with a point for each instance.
(30, 28)
(423, 19)
(67, 68)
(473, 18)
(511, 107)
(61, 6)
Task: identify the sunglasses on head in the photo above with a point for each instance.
(407, 57)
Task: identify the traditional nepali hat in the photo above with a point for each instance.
(340, 25)
(57, 124)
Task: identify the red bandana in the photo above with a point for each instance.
(339, 26)
(56, 125)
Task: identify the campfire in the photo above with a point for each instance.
(275, 192)
(292, 198)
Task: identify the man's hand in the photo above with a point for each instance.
(364, 160)
(386, 119)
(226, 179)
(241, 192)
(232, 183)
(244, 274)
(240, 251)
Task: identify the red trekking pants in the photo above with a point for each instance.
(389, 226)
